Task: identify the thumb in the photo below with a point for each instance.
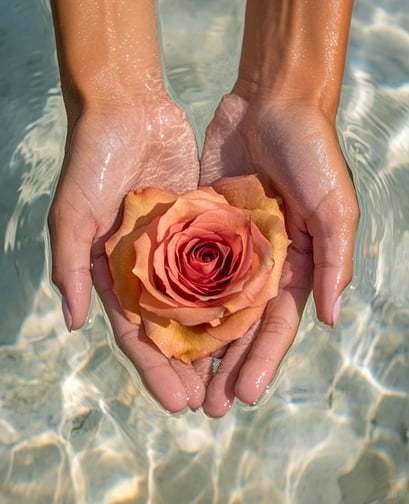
(333, 227)
(71, 240)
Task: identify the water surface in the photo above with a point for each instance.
(75, 424)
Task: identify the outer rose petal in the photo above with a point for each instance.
(174, 340)
(121, 258)
(247, 192)
(190, 315)
(187, 209)
(236, 325)
(140, 207)
(272, 227)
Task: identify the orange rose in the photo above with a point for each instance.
(198, 269)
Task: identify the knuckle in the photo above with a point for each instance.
(277, 326)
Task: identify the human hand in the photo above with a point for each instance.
(112, 150)
(295, 147)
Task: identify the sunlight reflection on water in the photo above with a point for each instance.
(76, 425)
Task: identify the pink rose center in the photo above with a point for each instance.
(203, 268)
(200, 265)
(206, 258)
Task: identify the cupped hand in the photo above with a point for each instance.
(111, 150)
(294, 146)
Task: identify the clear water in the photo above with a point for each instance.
(75, 424)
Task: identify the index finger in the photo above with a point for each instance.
(278, 330)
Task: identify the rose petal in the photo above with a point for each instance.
(143, 205)
(186, 209)
(230, 223)
(174, 340)
(195, 270)
(247, 192)
(126, 286)
(140, 207)
(272, 227)
(236, 325)
(183, 283)
(159, 303)
(186, 315)
(254, 291)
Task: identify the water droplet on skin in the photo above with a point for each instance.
(260, 379)
(228, 404)
(104, 168)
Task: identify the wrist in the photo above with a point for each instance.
(106, 89)
(287, 96)
(137, 106)
(294, 51)
(108, 51)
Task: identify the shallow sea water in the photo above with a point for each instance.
(75, 424)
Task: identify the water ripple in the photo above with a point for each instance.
(77, 426)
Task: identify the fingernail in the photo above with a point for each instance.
(337, 310)
(67, 314)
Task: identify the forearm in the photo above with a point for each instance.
(294, 49)
(108, 50)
